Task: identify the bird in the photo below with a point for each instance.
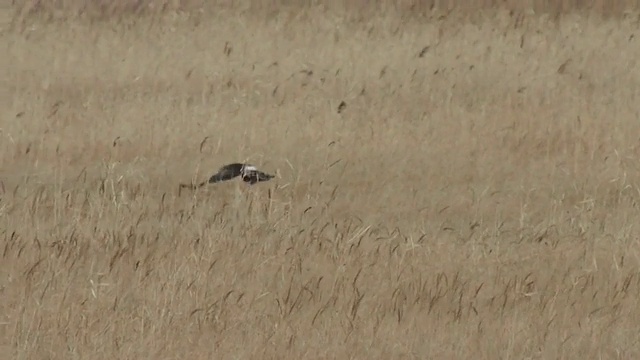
(249, 173)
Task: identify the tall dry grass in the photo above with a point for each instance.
(24, 10)
(477, 197)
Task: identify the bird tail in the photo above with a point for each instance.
(257, 177)
(264, 176)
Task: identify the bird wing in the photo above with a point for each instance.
(225, 173)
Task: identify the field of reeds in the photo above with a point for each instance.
(449, 185)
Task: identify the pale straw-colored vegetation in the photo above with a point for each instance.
(476, 198)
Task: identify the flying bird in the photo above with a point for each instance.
(249, 173)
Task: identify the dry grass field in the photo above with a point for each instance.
(478, 197)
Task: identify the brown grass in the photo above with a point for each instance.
(478, 197)
(25, 11)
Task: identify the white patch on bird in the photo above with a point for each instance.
(250, 168)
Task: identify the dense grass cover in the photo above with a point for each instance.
(475, 196)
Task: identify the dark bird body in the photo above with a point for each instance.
(249, 173)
